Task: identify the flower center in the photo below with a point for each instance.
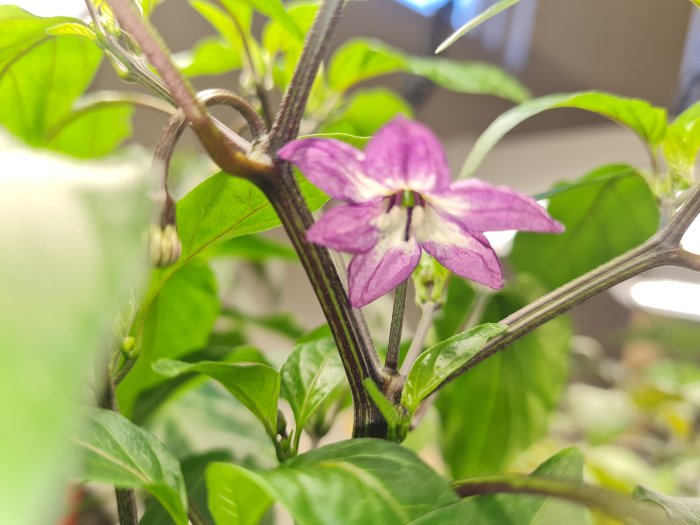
(408, 200)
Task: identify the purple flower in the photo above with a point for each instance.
(399, 201)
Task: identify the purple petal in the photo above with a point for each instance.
(407, 155)
(378, 271)
(480, 207)
(335, 167)
(464, 253)
(347, 228)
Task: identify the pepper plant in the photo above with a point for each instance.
(401, 216)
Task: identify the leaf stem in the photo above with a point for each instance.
(616, 505)
(425, 322)
(397, 315)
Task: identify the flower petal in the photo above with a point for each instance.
(335, 167)
(481, 207)
(407, 155)
(388, 263)
(464, 253)
(348, 228)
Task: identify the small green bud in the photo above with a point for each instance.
(128, 346)
(281, 424)
(430, 281)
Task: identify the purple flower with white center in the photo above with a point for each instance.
(399, 201)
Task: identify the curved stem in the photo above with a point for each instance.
(318, 41)
(397, 315)
(615, 504)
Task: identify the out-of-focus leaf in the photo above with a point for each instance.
(362, 59)
(510, 509)
(72, 234)
(479, 19)
(210, 56)
(117, 452)
(256, 386)
(323, 486)
(253, 248)
(177, 321)
(367, 111)
(236, 495)
(455, 311)
(681, 511)
(193, 470)
(609, 212)
(647, 121)
(73, 29)
(277, 37)
(439, 362)
(500, 407)
(311, 373)
(275, 10)
(221, 19)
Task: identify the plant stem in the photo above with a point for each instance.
(126, 498)
(615, 504)
(318, 41)
(424, 324)
(357, 353)
(397, 315)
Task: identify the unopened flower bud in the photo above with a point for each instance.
(164, 245)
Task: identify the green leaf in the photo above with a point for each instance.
(92, 131)
(367, 111)
(500, 407)
(118, 452)
(222, 21)
(309, 375)
(74, 253)
(73, 29)
(606, 213)
(276, 38)
(325, 485)
(682, 142)
(255, 248)
(362, 59)
(176, 321)
(39, 86)
(256, 386)
(439, 362)
(681, 511)
(508, 509)
(479, 19)
(147, 6)
(274, 9)
(194, 471)
(647, 121)
(210, 56)
(236, 495)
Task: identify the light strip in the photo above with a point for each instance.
(667, 295)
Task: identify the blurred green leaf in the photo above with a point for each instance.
(118, 452)
(76, 28)
(500, 407)
(455, 311)
(511, 509)
(681, 511)
(277, 38)
(275, 10)
(479, 19)
(255, 248)
(236, 495)
(147, 6)
(647, 121)
(176, 321)
(367, 111)
(222, 21)
(309, 375)
(325, 485)
(361, 59)
(439, 362)
(256, 386)
(606, 213)
(210, 56)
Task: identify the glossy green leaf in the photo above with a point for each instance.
(73, 255)
(362, 59)
(500, 407)
(79, 29)
(325, 485)
(193, 470)
(210, 56)
(681, 511)
(309, 375)
(479, 19)
(118, 452)
(607, 212)
(256, 386)
(93, 131)
(39, 86)
(236, 495)
(647, 121)
(509, 509)
(367, 111)
(440, 361)
(177, 320)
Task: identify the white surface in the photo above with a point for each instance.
(52, 7)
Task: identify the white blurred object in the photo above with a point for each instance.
(52, 7)
(691, 239)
